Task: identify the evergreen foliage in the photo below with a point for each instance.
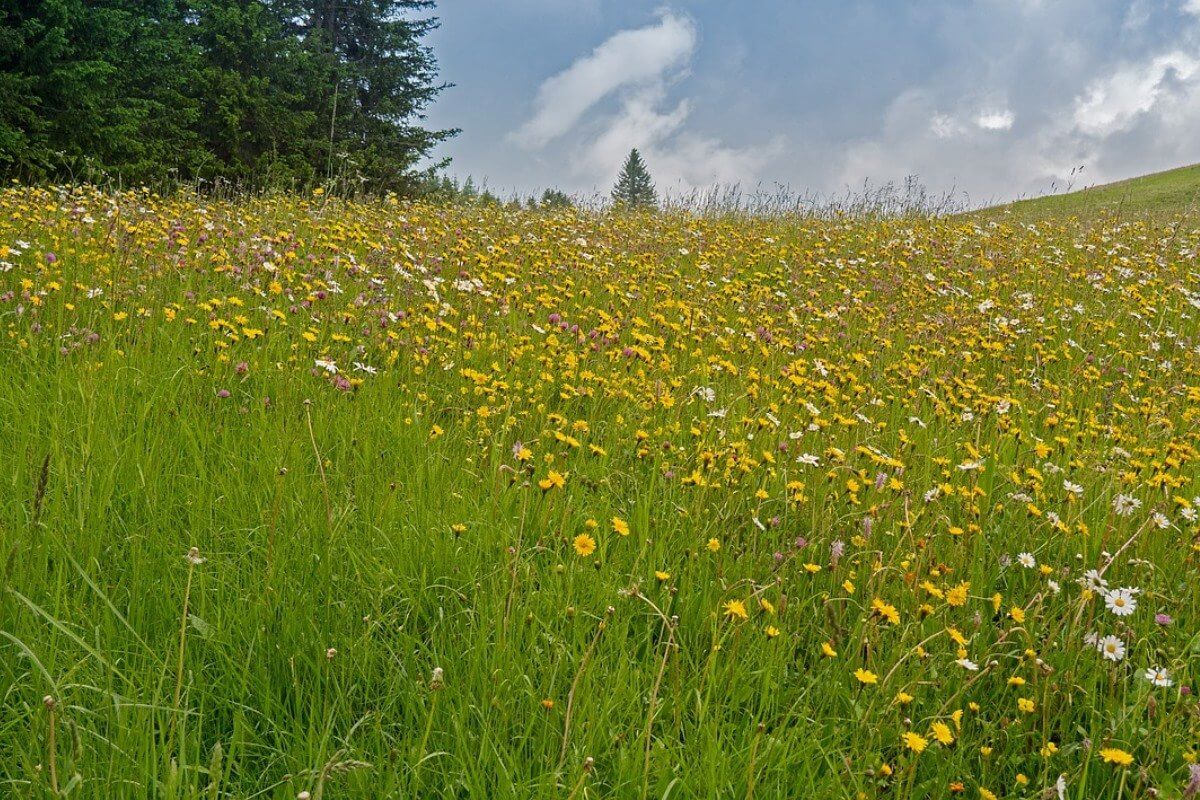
(634, 187)
(258, 92)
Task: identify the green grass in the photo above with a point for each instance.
(956, 384)
(1165, 194)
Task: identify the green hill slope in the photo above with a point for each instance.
(1168, 193)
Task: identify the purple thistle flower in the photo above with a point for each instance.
(1193, 784)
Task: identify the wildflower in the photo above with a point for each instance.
(1121, 602)
(865, 676)
(957, 596)
(886, 611)
(736, 608)
(915, 741)
(1158, 676)
(1112, 648)
(1093, 580)
(1114, 755)
(553, 480)
(620, 526)
(1026, 705)
(585, 545)
(941, 732)
(1125, 505)
(1026, 560)
(713, 545)
(1193, 785)
(771, 631)
(827, 650)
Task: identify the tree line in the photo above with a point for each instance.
(254, 92)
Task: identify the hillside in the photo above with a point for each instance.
(1166, 193)
(305, 497)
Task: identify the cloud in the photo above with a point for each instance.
(1116, 101)
(680, 161)
(638, 69)
(995, 120)
(1112, 104)
(1192, 7)
(642, 56)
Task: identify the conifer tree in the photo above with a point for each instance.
(261, 92)
(634, 187)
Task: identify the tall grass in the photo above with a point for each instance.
(230, 572)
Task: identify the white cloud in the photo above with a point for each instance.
(1192, 7)
(1112, 104)
(995, 120)
(680, 161)
(1113, 115)
(639, 68)
(945, 126)
(642, 56)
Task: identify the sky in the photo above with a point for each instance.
(983, 99)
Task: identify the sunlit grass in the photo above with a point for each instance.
(839, 485)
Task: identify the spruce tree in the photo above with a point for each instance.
(374, 79)
(262, 92)
(634, 187)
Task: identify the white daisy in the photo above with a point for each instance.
(1121, 602)
(1125, 505)
(1092, 580)
(1112, 648)
(1158, 676)
(1026, 560)
(967, 664)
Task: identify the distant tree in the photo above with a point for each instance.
(554, 198)
(634, 187)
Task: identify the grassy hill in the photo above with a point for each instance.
(1166, 193)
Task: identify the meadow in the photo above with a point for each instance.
(311, 498)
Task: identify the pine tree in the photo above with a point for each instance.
(634, 187)
(374, 79)
(262, 92)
